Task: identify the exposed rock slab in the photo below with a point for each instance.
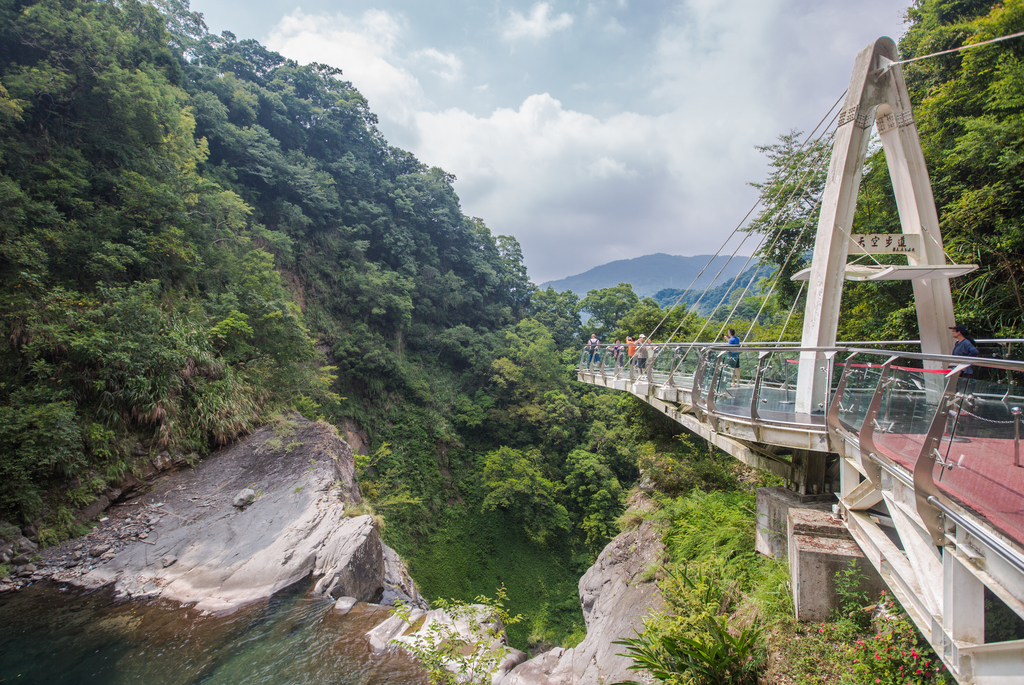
(615, 599)
(204, 550)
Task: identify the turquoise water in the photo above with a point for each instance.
(54, 636)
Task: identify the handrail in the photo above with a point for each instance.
(1004, 364)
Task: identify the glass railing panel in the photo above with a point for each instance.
(708, 372)
(685, 365)
(614, 360)
(776, 398)
(980, 454)
(735, 385)
(909, 399)
(863, 376)
(592, 356)
(661, 357)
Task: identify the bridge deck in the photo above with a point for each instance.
(936, 451)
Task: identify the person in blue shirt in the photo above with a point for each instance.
(964, 346)
(734, 357)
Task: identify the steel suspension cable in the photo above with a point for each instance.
(789, 256)
(800, 186)
(693, 307)
(814, 168)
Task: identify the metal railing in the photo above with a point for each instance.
(948, 426)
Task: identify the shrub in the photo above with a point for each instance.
(896, 654)
(714, 657)
(450, 657)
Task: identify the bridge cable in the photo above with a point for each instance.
(792, 309)
(816, 166)
(800, 186)
(792, 251)
(693, 307)
(888, 64)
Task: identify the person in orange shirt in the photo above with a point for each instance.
(630, 347)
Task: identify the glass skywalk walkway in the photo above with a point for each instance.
(922, 453)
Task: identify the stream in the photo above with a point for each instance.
(52, 635)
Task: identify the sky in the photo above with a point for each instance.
(589, 130)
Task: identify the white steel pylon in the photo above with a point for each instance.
(877, 96)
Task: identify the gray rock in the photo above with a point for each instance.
(468, 629)
(168, 561)
(381, 637)
(344, 605)
(162, 461)
(399, 585)
(295, 528)
(28, 568)
(615, 602)
(244, 497)
(96, 508)
(20, 560)
(353, 564)
(99, 550)
(23, 544)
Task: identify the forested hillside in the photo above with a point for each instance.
(199, 234)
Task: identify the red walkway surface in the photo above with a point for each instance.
(984, 479)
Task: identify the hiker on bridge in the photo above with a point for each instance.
(965, 346)
(642, 351)
(734, 357)
(593, 347)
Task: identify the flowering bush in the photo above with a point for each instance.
(895, 654)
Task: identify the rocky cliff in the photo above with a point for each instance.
(248, 521)
(617, 593)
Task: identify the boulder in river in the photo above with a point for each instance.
(225, 557)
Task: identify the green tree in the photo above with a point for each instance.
(789, 198)
(513, 482)
(596, 496)
(606, 306)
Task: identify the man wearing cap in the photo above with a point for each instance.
(964, 346)
(641, 352)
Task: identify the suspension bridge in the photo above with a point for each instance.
(919, 450)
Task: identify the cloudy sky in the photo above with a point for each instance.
(591, 130)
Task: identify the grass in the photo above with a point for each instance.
(471, 554)
(713, 572)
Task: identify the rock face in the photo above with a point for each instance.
(615, 601)
(203, 549)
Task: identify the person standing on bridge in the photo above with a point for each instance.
(593, 347)
(965, 346)
(734, 357)
(630, 347)
(641, 353)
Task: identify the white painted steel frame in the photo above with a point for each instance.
(949, 556)
(877, 96)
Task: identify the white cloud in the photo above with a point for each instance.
(539, 24)
(449, 67)
(366, 49)
(576, 189)
(665, 170)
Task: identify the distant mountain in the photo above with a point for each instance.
(714, 296)
(650, 274)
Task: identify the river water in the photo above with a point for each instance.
(55, 636)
